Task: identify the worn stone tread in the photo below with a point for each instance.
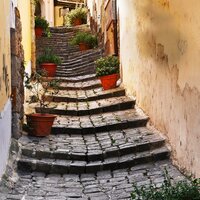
(87, 85)
(85, 95)
(131, 118)
(88, 108)
(92, 147)
(73, 79)
(76, 166)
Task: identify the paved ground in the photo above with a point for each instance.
(104, 185)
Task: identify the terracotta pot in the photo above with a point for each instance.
(83, 46)
(109, 81)
(40, 124)
(38, 32)
(50, 68)
(77, 22)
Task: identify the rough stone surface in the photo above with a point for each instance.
(17, 67)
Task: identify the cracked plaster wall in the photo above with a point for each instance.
(160, 57)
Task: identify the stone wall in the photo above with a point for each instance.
(17, 67)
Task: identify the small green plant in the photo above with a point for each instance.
(182, 190)
(83, 37)
(40, 22)
(38, 88)
(107, 66)
(48, 57)
(78, 13)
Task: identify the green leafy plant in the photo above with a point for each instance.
(48, 57)
(107, 66)
(84, 37)
(38, 88)
(78, 13)
(41, 22)
(182, 190)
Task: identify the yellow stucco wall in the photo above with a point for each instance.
(58, 19)
(5, 72)
(160, 47)
(24, 7)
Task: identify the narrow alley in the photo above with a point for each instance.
(97, 102)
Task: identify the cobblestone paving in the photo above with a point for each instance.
(104, 185)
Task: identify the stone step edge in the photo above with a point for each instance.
(130, 160)
(135, 123)
(117, 93)
(104, 109)
(87, 87)
(67, 80)
(113, 152)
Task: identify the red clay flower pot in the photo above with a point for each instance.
(50, 68)
(109, 81)
(77, 22)
(83, 46)
(38, 32)
(40, 124)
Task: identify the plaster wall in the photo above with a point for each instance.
(5, 82)
(24, 7)
(47, 9)
(59, 20)
(5, 68)
(160, 47)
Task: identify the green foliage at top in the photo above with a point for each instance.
(83, 37)
(107, 65)
(38, 88)
(40, 22)
(48, 57)
(78, 13)
(182, 190)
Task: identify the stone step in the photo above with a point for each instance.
(60, 166)
(92, 147)
(89, 108)
(131, 118)
(85, 68)
(81, 60)
(76, 79)
(87, 85)
(85, 95)
(74, 74)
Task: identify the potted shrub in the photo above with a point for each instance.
(107, 69)
(84, 40)
(41, 25)
(48, 62)
(77, 17)
(40, 124)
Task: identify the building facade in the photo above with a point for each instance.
(159, 54)
(5, 84)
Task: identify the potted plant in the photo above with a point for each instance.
(40, 124)
(48, 62)
(84, 40)
(41, 25)
(107, 69)
(77, 17)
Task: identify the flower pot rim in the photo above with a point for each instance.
(48, 63)
(46, 115)
(116, 74)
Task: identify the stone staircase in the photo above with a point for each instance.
(95, 130)
(100, 142)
